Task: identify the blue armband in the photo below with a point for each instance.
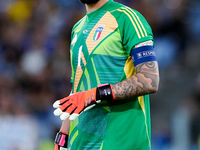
(143, 54)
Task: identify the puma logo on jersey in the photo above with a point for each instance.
(85, 31)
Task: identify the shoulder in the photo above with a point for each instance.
(78, 24)
(125, 13)
(130, 18)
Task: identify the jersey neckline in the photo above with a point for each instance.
(93, 14)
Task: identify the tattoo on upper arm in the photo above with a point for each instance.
(150, 71)
(144, 82)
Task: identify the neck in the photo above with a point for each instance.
(92, 7)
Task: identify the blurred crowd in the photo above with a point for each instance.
(35, 70)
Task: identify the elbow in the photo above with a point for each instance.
(154, 88)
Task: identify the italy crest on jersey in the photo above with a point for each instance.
(97, 33)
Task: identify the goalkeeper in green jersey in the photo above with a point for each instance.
(114, 69)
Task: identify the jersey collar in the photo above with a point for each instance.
(92, 15)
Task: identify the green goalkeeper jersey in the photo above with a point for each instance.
(100, 53)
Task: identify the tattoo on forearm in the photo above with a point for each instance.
(144, 82)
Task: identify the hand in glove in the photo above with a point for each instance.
(73, 105)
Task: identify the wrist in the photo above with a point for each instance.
(63, 132)
(61, 139)
(104, 92)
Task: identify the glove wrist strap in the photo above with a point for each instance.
(61, 139)
(105, 93)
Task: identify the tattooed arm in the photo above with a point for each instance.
(145, 81)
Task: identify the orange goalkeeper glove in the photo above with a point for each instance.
(73, 105)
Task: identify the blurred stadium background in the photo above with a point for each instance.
(35, 70)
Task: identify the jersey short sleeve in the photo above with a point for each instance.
(133, 27)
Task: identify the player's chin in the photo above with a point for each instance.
(88, 1)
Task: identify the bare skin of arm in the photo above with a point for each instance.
(145, 81)
(65, 126)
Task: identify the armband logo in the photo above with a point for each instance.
(146, 54)
(133, 58)
(143, 54)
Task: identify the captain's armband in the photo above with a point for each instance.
(143, 54)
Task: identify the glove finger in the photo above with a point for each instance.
(73, 116)
(71, 109)
(57, 112)
(56, 104)
(62, 101)
(65, 106)
(64, 116)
